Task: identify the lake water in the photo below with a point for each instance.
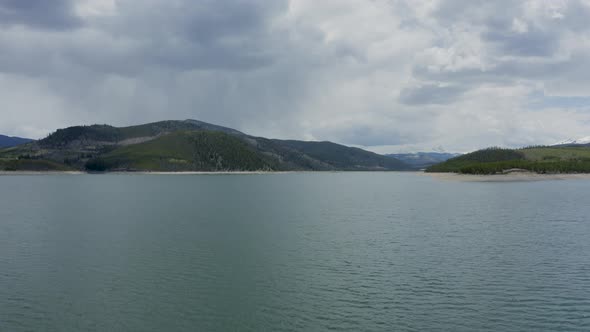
(292, 252)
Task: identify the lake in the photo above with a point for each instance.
(292, 252)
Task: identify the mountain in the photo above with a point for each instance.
(578, 141)
(421, 160)
(188, 145)
(6, 141)
(542, 159)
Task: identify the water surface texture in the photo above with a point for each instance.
(292, 252)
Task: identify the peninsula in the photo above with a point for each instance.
(561, 159)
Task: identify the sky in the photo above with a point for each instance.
(387, 75)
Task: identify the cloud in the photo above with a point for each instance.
(206, 34)
(430, 94)
(41, 14)
(529, 42)
(386, 74)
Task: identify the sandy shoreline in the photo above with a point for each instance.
(198, 173)
(187, 173)
(513, 177)
(8, 173)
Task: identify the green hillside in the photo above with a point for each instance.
(184, 151)
(570, 159)
(188, 145)
(32, 165)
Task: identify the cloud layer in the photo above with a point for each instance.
(390, 75)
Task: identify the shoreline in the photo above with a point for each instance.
(7, 173)
(511, 177)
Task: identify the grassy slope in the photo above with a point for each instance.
(11, 160)
(185, 151)
(556, 153)
(31, 165)
(537, 159)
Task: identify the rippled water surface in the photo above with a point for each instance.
(292, 252)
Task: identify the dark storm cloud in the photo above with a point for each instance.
(42, 14)
(211, 20)
(228, 34)
(144, 35)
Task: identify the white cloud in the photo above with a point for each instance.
(392, 75)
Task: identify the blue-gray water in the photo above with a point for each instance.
(292, 252)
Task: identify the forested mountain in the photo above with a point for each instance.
(188, 145)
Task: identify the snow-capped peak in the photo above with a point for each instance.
(583, 140)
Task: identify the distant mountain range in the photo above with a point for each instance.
(578, 141)
(421, 160)
(188, 145)
(7, 141)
